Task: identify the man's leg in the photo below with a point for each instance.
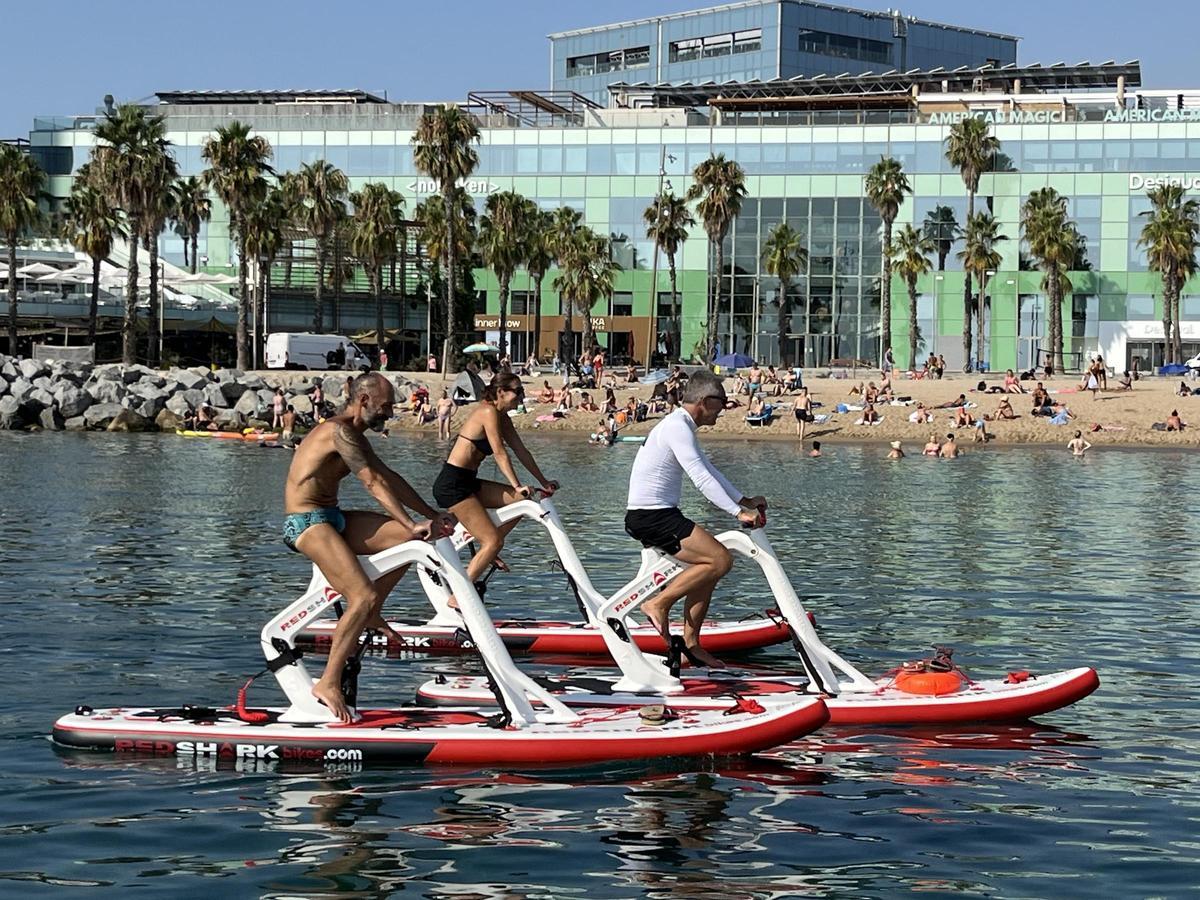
(707, 562)
(338, 561)
(367, 533)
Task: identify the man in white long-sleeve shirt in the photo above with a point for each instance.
(652, 513)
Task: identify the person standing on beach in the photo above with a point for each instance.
(1078, 445)
(803, 412)
(652, 511)
(317, 527)
(288, 421)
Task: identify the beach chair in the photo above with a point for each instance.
(763, 418)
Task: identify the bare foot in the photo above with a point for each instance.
(659, 616)
(452, 602)
(332, 697)
(501, 564)
(379, 623)
(705, 657)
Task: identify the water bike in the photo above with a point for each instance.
(527, 724)
(934, 690)
(443, 633)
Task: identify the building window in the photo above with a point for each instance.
(1139, 307)
(609, 61)
(714, 45)
(844, 46)
(622, 303)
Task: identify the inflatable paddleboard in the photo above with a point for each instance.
(1017, 697)
(416, 736)
(566, 638)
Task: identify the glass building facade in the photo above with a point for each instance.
(1100, 150)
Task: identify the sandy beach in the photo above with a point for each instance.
(1124, 417)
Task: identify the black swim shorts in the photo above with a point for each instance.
(803, 415)
(663, 529)
(454, 485)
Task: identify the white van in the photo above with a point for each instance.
(304, 350)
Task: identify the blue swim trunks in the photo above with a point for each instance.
(296, 524)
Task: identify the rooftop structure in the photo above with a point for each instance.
(208, 98)
(761, 40)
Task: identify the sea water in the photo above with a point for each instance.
(139, 570)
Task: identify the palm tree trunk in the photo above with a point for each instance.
(710, 341)
(243, 307)
(195, 245)
(448, 345)
(1176, 336)
(152, 315)
(377, 286)
(912, 323)
(503, 342)
(589, 336)
(11, 237)
(966, 335)
(885, 292)
(568, 334)
(318, 296)
(981, 321)
(783, 321)
(1056, 332)
(129, 326)
(94, 306)
(260, 313)
(676, 325)
(185, 251)
(537, 316)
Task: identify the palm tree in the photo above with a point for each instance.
(785, 257)
(503, 233)
(375, 230)
(539, 256)
(436, 236)
(667, 222)
(20, 187)
(970, 148)
(980, 257)
(126, 166)
(1053, 242)
(237, 170)
(719, 184)
(319, 197)
(911, 254)
(443, 151)
(160, 175)
(266, 225)
(587, 274)
(941, 227)
(885, 185)
(1170, 239)
(92, 225)
(191, 209)
(565, 223)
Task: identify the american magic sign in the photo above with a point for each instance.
(1053, 116)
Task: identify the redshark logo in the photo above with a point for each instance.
(331, 594)
(659, 578)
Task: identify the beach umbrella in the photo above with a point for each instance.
(481, 348)
(734, 361)
(36, 270)
(64, 277)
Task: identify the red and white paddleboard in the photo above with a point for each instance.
(416, 736)
(566, 638)
(1016, 697)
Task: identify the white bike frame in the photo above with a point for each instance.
(513, 688)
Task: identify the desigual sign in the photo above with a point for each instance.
(1149, 182)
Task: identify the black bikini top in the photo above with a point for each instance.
(482, 444)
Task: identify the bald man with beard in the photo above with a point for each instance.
(317, 527)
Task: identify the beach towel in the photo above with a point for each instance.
(876, 422)
(821, 419)
(546, 418)
(1059, 419)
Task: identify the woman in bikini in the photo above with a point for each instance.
(459, 489)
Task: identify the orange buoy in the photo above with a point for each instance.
(928, 683)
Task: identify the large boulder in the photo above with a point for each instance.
(99, 415)
(248, 405)
(135, 373)
(194, 398)
(108, 372)
(147, 391)
(150, 408)
(8, 369)
(50, 420)
(10, 414)
(107, 391)
(232, 390)
(168, 421)
(3, 386)
(302, 404)
(20, 389)
(32, 368)
(253, 382)
(72, 401)
(45, 383)
(75, 423)
(224, 375)
(128, 420)
(42, 398)
(190, 379)
(229, 420)
(178, 404)
(214, 397)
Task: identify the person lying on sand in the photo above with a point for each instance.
(961, 400)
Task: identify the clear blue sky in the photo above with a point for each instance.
(66, 56)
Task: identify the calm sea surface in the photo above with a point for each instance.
(139, 569)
